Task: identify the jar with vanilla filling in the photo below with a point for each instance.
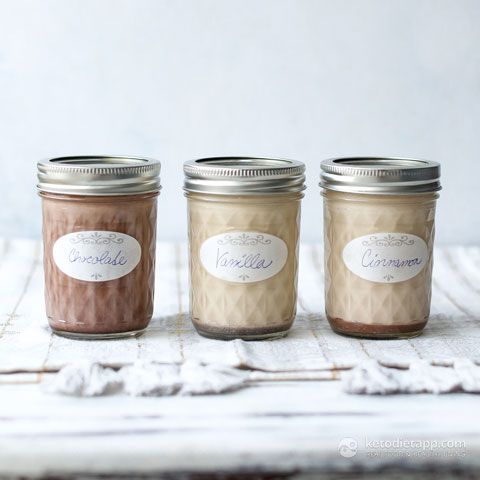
(243, 224)
(99, 228)
(379, 224)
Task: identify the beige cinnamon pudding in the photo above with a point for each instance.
(99, 228)
(379, 217)
(244, 221)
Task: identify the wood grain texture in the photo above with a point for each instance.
(26, 342)
(281, 428)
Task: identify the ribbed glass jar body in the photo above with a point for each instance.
(243, 264)
(378, 262)
(99, 262)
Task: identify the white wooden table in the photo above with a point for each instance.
(277, 429)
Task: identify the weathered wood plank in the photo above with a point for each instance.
(279, 428)
(27, 343)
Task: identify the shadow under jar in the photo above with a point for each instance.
(99, 230)
(243, 224)
(379, 217)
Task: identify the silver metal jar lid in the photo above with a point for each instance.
(380, 175)
(99, 175)
(244, 176)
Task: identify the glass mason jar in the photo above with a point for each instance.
(99, 228)
(243, 224)
(379, 217)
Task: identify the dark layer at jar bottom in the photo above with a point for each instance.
(228, 333)
(355, 329)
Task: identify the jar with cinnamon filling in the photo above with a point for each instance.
(379, 217)
(99, 227)
(243, 224)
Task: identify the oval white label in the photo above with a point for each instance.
(243, 257)
(386, 257)
(96, 256)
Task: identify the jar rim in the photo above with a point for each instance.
(100, 175)
(380, 175)
(242, 175)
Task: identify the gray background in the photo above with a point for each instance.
(177, 80)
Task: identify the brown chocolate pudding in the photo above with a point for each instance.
(99, 256)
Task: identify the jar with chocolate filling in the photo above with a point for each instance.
(243, 224)
(99, 226)
(379, 217)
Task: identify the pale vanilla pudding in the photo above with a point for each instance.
(244, 246)
(379, 245)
